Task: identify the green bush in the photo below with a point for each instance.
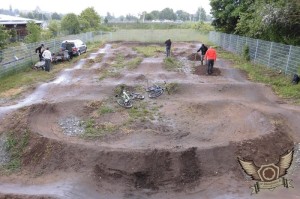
(246, 53)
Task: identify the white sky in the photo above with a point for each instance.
(115, 7)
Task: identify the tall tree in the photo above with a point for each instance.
(182, 15)
(54, 27)
(4, 36)
(55, 16)
(200, 14)
(34, 32)
(70, 23)
(91, 18)
(167, 14)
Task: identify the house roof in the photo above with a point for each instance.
(12, 20)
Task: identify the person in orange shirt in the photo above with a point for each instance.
(210, 57)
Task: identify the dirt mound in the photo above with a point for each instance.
(202, 70)
(194, 57)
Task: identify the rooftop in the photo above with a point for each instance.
(7, 19)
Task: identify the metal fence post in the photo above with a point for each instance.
(256, 48)
(270, 54)
(288, 60)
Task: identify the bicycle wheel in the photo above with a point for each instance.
(151, 88)
(157, 93)
(124, 104)
(136, 96)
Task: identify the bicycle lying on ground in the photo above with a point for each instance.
(125, 98)
(156, 90)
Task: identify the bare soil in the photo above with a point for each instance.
(182, 145)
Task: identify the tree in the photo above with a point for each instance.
(155, 14)
(55, 16)
(4, 36)
(70, 23)
(90, 18)
(201, 14)
(34, 32)
(167, 14)
(225, 14)
(54, 27)
(182, 15)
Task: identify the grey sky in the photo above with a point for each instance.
(116, 7)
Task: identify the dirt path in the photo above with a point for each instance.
(182, 145)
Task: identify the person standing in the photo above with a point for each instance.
(168, 44)
(48, 58)
(40, 50)
(203, 50)
(211, 57)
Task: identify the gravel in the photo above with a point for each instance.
(72, 126)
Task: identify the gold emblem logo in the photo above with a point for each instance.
(269, 176)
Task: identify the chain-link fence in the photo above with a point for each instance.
(15, 58)
(283, 57)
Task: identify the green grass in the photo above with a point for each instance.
(159, 36)
(134, 63)
(16, 146)
(109, 74)
(149, 51)
(105, 109)
(92, 129)
(279, 82)
(172, 64)
(119, 61)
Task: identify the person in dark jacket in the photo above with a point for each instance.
(203, 50)
(40, 50)
(168, 44)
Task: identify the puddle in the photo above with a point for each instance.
(63, 190)
(152, 60)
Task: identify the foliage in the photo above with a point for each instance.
(55, 16)
(70, 23)
(54, 27)
(276, 20)
(246, 53)
(182, 15)
(202, 27)
(16, 146)
(200, 14)
(171, 64)
(148, 51)
(4, 36)
(34, 32)
(90, 19)
(167, 14)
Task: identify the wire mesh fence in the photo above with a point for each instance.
(16, 58)
(275, 55)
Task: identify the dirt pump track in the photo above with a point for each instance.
(188, 149)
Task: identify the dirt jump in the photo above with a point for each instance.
(71, 139)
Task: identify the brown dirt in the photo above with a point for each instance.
(181, 145)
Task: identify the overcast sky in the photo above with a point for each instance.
(116, 7)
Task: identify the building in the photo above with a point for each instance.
(17, 23)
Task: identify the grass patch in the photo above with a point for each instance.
(109, 74)
(160, 36)
(119, 61)
(172, 64)
(93, 129)
(134, 63)
(16, 146)
(149, 51)
(280, 83)
(105, 109)
(172, 88)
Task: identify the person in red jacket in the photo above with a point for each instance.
(210, 57)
